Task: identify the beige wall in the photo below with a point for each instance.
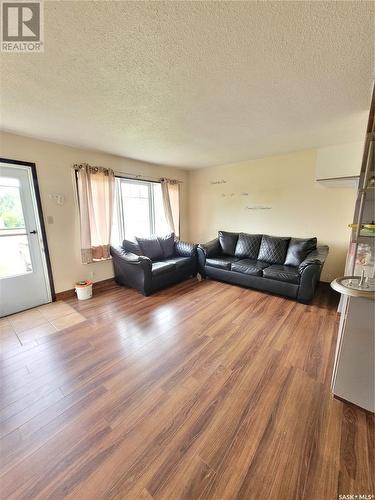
(300, 206)
(54, 167)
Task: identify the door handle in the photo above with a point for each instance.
(33, 232)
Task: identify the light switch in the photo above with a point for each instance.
(49, 219)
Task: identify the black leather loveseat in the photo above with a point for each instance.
(286, 266)
(153, 263)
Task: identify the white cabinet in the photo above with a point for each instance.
(354, 370)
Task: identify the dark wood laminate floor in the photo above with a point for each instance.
(202, 391)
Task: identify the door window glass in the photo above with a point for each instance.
(14, 246)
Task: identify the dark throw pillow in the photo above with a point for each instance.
(150, 247)
(298, 250)
(228, 242)
(131, 246)
(273, 249)
(248, 246)
(167, 244)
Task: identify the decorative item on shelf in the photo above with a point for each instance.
(356, 286)
(369, 227)
(363, 254)
(371, 182)
(222, 181)
(359, 283)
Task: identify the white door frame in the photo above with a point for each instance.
(35, 194)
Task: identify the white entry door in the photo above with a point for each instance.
(24, 279)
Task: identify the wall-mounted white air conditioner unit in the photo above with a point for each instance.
(339, 165)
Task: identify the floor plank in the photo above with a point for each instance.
(201, 391)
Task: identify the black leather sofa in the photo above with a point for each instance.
(153, 263)
(286, 266)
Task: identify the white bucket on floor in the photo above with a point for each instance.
(84, 290)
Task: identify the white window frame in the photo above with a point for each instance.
(119, 207)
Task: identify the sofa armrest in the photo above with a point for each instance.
(128, 257)
(206, 251)
(211, 248)
(310, 270)
(185, 249)
(132, 270)
(317, 256)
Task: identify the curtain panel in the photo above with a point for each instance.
(95, 193)
(171, 202)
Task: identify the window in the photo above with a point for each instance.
(138, 210)
(14, 243)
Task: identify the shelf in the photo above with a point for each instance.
(368, 195)
(366, 235)
(363, 236)
(349, 285)
(362, 228)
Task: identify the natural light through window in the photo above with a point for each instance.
(138, 210)
(14, 244)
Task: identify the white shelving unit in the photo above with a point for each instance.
(353, 376)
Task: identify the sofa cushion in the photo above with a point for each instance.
(298, 250)
(131, 246)
(162, 267)
(221, 262)
(273, 249)
(180, 262)
(282, 273)
(167, 244)
(150, 247)
(249, 266)
(228, 242)
(248, 246)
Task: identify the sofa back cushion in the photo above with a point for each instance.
(131, 246)
(273, 249)
(228, 242)
(167, 244)
(248, 246)
(150, 247)
(298, 250)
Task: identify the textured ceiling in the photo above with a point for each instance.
(193, 84)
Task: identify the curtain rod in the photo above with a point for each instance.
(137, 176)
(145, 177)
